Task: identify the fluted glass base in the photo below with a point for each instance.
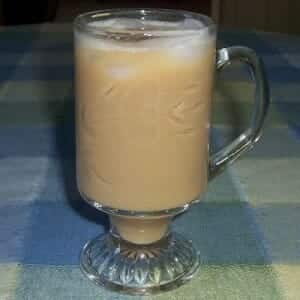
(139, 269)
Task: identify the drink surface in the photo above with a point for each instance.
(142, 113)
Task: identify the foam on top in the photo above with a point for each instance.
(141, 35)
(146, 26)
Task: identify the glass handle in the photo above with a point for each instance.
(251, 135)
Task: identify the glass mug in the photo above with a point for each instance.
(144, 81)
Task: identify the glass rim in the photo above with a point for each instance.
(168, 212)
(81, 22)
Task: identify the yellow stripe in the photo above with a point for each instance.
(288, 279)
(9, 274)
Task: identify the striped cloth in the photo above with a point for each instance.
(247, 227)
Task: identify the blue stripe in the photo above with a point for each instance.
(53, 234)
(283, 72)
(36, 73)
(59, 141)
(13, 61)
(290, 112)
(14, 46)
(44, 35)
(286, 74)
(32, 141)
(48, 141)
(46, 233)
(275, 75)
(296, 130)
(247, 39)
(53, 46)
(284, 43)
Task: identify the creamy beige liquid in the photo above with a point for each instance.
(142, 121)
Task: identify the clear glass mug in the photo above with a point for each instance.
(144, 82)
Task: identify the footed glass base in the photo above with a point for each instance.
(139, 269)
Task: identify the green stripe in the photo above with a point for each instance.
(228, 282)
(276, 142)
(34, 112)
(37, 59)
(34, 91)
(49, 59)
(23, 113)
(213, 282)
(43, 101)
(57, 28)
(239, 114)
(243, 91)
(19, 34)
(12, 59)
(286, 93)
(60, 283)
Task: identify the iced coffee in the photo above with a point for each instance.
(143, 94)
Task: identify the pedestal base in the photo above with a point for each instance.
(139, 269)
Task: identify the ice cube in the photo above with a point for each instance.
(118, 24)
(192, 24)
(120, 72)
(182, 36)
(184, 52)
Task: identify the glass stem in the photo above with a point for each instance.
(140, 230)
